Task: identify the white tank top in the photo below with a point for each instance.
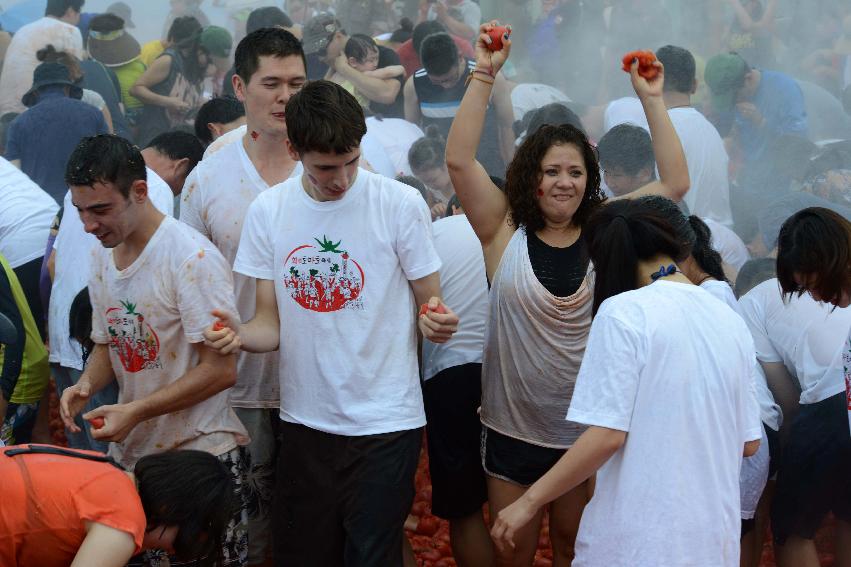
(534, 344)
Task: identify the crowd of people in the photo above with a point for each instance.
(266, 264)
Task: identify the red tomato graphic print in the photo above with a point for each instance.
(323, 278)
(134, 340)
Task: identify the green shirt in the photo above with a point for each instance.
(127, 75)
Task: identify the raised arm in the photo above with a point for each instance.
(485, 205)
(260, 334)
(378, 89)
(673, 181)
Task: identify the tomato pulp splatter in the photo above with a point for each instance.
(254, 135)
(497, 34)
(645, 63)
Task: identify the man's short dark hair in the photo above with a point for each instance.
(184, 29)
(199, 500)
(106, 159)
(220, 110)
(268, 17)
(274, 42)
(439, 54)
(679, 68)
(628, 147)
(57, 8)
(178, 145)
(423, 30)
(324, 117)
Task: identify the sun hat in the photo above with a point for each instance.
(110, 43)
(217, 41)
(50, 74)
(724, 75)
(318, 31)
(123, 11)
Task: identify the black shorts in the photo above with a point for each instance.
(452, 399)
(516, 461)
(815, 475)
(342, 500)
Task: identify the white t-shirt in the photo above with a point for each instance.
(151, 314)
(671, 365)
(396, 136)
(770, 412)
(73, 246)
(527, 97)
(464, 287)
(21, 61)
(26, 213)
(709, 193)
(727, 243)
(348, 362)
(466, 11)
(803, 334)
(214, 202)
(225, 140)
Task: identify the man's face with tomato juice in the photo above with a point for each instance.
(106, 213)
(327, 177)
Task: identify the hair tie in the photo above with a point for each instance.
(663, 272)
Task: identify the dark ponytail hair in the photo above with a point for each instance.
(702, 251)
(626, 232)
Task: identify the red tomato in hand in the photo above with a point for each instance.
(496, 35)
(218, 326)
(97, 422)
(645, 63)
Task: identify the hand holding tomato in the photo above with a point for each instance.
(72, 402)
(116, 422)
(437, 322)
(222, 335)
(487, 57)
(647, 84)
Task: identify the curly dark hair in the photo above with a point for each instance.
(524, 176)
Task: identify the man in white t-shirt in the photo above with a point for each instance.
(26, 213)
(709, 194)
(215, 201)
(72, 257)
(339, 255)
(461, 17)
(58, 27)
(153, 285)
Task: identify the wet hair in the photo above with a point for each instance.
(49, 54)
(404, 33)
(628, 147)
(106, 158)
(815, 242)
(273, 42)
(702, 251)
(524, 175)
(626, 232)
(80, 322)
(554, 113)
(680, 69)
(267, 17)
(412, 181)
(324, 117)
(57, 8)
(429, 151)
(753, 273)
(359, 46)
(220, 110)
(184, 29)
(177, 145)
(423, 30)
(192, 490)
(439, 54)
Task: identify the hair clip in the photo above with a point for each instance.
(663, 272)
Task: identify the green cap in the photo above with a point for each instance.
(217, 41)
(724, 75)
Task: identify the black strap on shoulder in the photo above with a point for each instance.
(61, 451)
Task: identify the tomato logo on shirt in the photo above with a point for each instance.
(323, 278)
(134, 340)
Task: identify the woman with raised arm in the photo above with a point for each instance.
(541, 286)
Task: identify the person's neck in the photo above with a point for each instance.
(559, 234)
(693, 271)
(652, 266)
(129, 250)
(676, 100)
(268, 153)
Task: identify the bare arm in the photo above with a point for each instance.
(784, 388)
(412, 103)
(386, 72)
(673, 181)
(505, 116)
(751, 447)
(589, 453)
(436, 326)
(153, 75)
(97, 375)
(380, 90)
(261, 334)
(455, 27)
(104, 546)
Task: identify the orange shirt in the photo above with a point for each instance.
(45, 501)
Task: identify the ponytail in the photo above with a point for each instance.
(707, 258)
